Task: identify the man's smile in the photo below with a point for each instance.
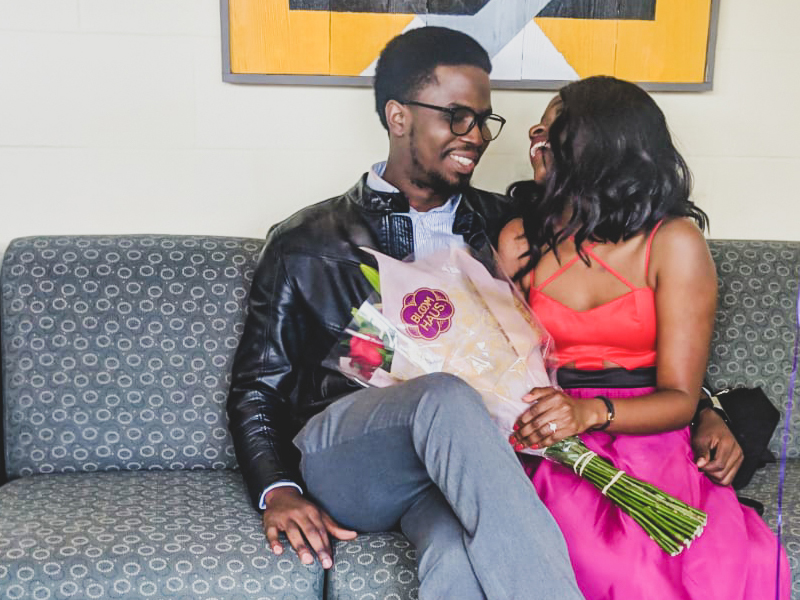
(465, 160)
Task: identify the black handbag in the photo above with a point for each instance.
(752, 418)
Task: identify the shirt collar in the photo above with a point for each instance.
(376, 182)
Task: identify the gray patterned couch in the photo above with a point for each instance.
(122, 484)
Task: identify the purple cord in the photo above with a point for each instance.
(785, 443)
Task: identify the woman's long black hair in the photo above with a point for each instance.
(616, 172)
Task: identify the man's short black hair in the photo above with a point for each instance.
(407, 63)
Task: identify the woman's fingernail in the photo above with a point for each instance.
(535, 446)
(519, 447)
(516, 427)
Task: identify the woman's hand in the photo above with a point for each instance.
(553, 416)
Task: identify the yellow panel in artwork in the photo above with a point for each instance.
(672, 48)
(358, 38)
(588, 45)
(266, 37)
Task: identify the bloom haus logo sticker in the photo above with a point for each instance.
(427, 313)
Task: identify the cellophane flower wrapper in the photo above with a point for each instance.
(454, 311)
(448, 312)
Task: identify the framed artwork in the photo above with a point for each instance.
(534, 44)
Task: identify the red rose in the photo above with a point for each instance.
(366, 354)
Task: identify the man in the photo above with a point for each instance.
(423, 455)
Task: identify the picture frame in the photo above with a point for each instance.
(664, 45)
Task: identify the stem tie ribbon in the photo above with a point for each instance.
(582, 461)
(612, 482)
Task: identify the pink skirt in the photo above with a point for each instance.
(735, 558)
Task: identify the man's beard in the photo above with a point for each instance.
(430, 179)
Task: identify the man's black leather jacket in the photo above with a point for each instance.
(306, 282)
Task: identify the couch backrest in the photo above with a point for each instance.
(754, 335)
(116, 351)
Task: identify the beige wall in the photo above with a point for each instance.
(114, 119)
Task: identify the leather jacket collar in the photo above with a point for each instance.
(469, 222)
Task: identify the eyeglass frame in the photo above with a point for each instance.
(477, 119)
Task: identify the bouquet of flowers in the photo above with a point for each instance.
(450, 312)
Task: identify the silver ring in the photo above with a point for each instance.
(552, 426)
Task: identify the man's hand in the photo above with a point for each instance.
(289, 512)
(716, 451)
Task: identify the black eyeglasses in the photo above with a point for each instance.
(463, 119)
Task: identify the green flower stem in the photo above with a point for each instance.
(682, 523)
(670, 523)
(664, 540)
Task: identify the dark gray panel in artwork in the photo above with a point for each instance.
(638, 10)
(415, 7)
(455, 7)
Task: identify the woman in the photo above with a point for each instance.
(612, 258)
(716, 451)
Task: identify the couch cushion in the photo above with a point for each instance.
(764, 488)
(116, 351)
(755, 328)
(383, 566)
(376, 566)
(188, 534)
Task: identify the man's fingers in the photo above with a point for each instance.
(274, 540)
(727, 478)
(723, 475)
(317, 537)
(705, 450)
(299, 544)
(337, 530)
(716, 465)
(734, 469)
(305, 526)
(731, 468)
(722, 468)
(723, 457)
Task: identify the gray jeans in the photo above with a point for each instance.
(425, 455)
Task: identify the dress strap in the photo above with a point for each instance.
(564, 267)
(558, 272)
(649, 245)
(610, 269)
